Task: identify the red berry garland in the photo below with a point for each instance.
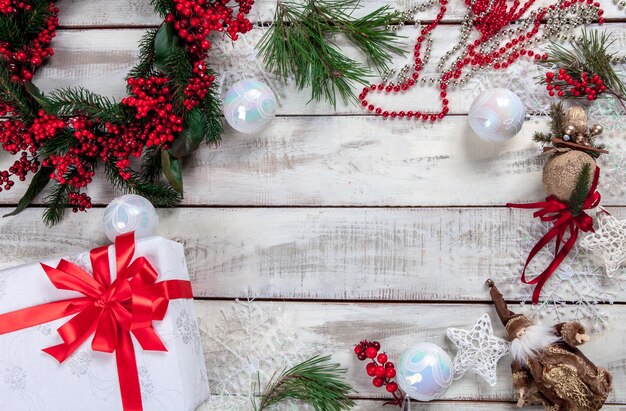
(492, 17)
(382, 370)
(62, 136)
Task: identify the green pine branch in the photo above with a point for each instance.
(315, 382)
(19, 28)
(163, 7)
(151, 167)
(180, 70)
(212, 110)
(581, 190)
(145, 67)
(157, 193)
(542, 138)
(60, 144)
(56, 203)
(557, 120)
(299, 45)
(77, 100)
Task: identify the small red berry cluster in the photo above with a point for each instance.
(380, 368)
(587, 85)
(16, 137)
(24, 60)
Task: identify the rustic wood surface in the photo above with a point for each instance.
(354, 226)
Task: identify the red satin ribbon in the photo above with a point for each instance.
(555, 211)
(109, 311)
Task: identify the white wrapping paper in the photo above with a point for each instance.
(31, 380)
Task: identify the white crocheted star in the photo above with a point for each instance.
(608, 242)
(479, 351)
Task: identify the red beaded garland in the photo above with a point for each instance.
(492, 17)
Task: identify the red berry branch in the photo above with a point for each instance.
(587, 85)
(380, 368)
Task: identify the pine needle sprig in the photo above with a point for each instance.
(581, 191)
(590, 55)
(77, 100)
(180, 70)
(60, 144)
(315, 382)
(145, 67)
(557, 119)
(299, 45)
(159, 194)
(56, 203)
(151, 166)
(163, 7)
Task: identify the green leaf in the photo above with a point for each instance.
(36, 93)
(172, 170)
(165, 42)
(194, 133)
(37, 184)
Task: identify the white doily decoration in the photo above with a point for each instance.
(578, 280)
(478, 350)
(248, 344)
(608, 243)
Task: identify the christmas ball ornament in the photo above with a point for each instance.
(249, 106)
(424, 372)
(130, 213)
(561, 172)
(497, 115)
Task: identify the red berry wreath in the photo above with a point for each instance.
(61, 137)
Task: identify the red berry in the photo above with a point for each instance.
(389, 365)
(358, 349)
(378, 382)
(380, 371)
(392, 387)
(376, 345)
(390, 372)
(371, 369)
(382, 358)
(371, 352)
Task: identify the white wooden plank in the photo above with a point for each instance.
(398, 326)
(363, 161)
(100, 59)
(140, 12)
(377, 405)
(329, 254)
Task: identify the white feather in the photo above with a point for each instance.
(535, 339)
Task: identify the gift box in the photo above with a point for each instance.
(123, 338)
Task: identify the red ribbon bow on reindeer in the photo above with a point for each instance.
(110, 310)
(555, 211)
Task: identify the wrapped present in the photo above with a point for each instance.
(112, 329)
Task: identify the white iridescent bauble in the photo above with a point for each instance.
(497, 115)
(249, 106)
(128, 213)
(424, 372)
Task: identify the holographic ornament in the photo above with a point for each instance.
(497, 115)
(249, 106)
(424, 372)
(128, 213)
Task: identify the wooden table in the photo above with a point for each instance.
(354, 226)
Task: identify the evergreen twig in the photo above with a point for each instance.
(60, 144)
(56, 203)
(315, 382)
(180, 70)
(151, 164)
(557, 120)
(213, 112)
(581, 190)
(14, 94)
(299, 45)
(145, 67)
(157, 193)
(71, 101)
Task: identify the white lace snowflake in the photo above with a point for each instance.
(248, 345)
(608, 243)
(478, 350)
(578, 289)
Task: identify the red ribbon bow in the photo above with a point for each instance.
(110, 311)
(555, 211)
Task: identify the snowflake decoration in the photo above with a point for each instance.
(578, 289)
(608, 242)
(613, 167)
(479, 350)
(246, 347)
